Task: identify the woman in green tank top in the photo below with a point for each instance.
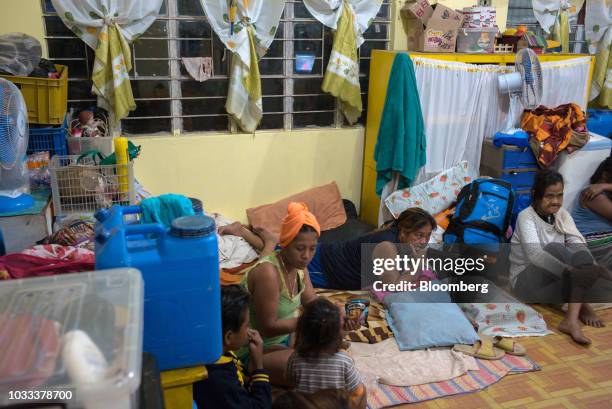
(279, 285)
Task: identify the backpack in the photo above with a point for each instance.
(482, 215)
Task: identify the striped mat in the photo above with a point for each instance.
(490, 372)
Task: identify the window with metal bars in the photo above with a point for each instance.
(520, 12)
(170, 101)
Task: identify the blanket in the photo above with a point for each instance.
(553, 130)
(488, 373)
(386, 364)
(377, 330)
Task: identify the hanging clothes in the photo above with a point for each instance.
(248, 37)
(200, 68)
(108, 27)
(598, 28)
(401, 138)
(350, 19)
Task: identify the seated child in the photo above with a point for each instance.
(227, 386)
(319, 361)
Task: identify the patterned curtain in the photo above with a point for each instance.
(350, 19)
(247, 28)
(108, 27)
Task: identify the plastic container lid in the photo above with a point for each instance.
(192, 226)
(38, 317)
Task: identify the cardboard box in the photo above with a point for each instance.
(417, 9)
(440, 32)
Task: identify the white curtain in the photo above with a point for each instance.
(328, 12)
(350, 19)
(254, 30)
(597, 20)
(461, 105)
(547, 11)
(107, 26)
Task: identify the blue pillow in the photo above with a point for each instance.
(422, 320)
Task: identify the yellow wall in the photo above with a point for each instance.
(23, 16)
(230, 173)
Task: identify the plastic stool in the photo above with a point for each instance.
(178, 386)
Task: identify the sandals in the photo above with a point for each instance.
(482, 349)
(509, 346)
(492, 348)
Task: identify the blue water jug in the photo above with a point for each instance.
(180, 268)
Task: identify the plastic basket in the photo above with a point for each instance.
(45, 98)
(51, 139)
(79, 145)
(81, 185)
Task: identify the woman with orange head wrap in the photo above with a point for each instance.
(279, 285)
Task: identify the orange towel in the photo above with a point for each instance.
(297, 216)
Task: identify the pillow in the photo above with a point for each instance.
(421, 320)
(323, 201)
(433, 196)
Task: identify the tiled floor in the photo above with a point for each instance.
(572, 376)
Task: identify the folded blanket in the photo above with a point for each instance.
(386, 364)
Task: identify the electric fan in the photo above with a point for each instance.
(524, 85)
(14, 176)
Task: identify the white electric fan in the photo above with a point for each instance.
(524, 85)
(14, 177)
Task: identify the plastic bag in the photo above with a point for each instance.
(38, 165)
(19, 54)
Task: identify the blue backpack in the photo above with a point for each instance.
(482, 215)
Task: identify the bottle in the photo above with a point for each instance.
(122, 159)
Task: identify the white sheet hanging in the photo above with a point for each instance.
(461, 105)
(328, 12)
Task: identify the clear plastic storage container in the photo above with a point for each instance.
(476, 40)
(72, 340)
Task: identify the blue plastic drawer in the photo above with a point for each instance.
(600, 122)
(520, 180)
(516, 159)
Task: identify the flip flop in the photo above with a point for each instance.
(509, 346)
(482, 349)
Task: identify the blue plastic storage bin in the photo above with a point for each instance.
(600, 122)
(51, 139)
(180, 269)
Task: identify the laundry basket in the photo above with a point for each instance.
(81, 185)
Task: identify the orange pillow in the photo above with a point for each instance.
(324, 202)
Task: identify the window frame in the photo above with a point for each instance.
(176, 78)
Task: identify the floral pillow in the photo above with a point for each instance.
(433, 196)
(509, 319)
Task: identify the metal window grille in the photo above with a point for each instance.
(170, 101)
(520, 12)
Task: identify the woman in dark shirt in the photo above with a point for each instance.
(339, 265)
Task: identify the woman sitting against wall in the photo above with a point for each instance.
(550, 262)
